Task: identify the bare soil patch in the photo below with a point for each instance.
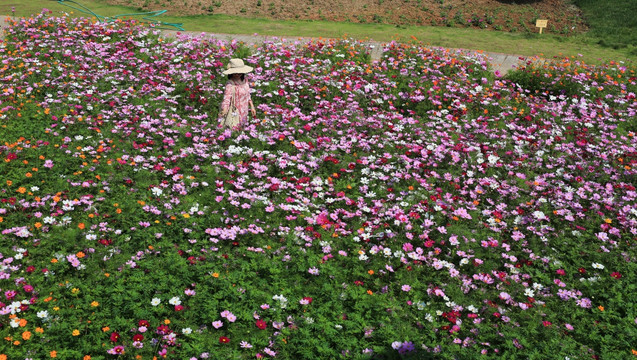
(503, 15)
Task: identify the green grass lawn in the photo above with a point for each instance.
(590, 45)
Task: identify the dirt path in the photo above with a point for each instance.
(500, 62)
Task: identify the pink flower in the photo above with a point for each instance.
(117, 350)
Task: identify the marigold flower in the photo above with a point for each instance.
(53, 354)
(86, 357)
(76, 332)
(215, 274)
(38, 330)
(26, 335)
(601, 308)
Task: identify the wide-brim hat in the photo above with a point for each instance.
(236, 66)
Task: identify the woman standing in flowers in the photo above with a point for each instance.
(236, 97)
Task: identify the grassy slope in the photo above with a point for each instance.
(612, 21)
(493, 41)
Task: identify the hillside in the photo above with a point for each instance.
(504, 15)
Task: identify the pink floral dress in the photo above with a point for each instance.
(241, 92)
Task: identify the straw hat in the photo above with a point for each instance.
(236, 66)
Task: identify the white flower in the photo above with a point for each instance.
(174, 301)
(155, 301)
(539, 215)
(598, 266)
(186, 331)
(529, 293)
(43, 314)
(429, 318)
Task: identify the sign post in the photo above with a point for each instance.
(541, 24)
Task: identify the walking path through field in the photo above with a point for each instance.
(500, 62)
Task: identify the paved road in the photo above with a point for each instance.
(499, 62)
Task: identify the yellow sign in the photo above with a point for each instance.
(541, 24)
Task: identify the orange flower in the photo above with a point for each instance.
(4, 357)
(23, 322)
(371, 272)
(105, 329)
(80, 255)
(370, 292)
(81, 226)
(38, 330)
(75, 332)
(53, 354)
(22, 190)
(38, 225)
(166, 321)
(53, 261)
(95, 304)
(26, 335)
(215, 274)
(86, 357)
(16, 343)
(601, 308)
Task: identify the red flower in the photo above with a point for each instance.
(138, 337)
(309, 299)
(114, 336)
(261, 324)
(179, 307)
(616, 275)
(546, 323)
(143, 323)
(223, 340)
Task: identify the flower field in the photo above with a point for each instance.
(415, 207)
